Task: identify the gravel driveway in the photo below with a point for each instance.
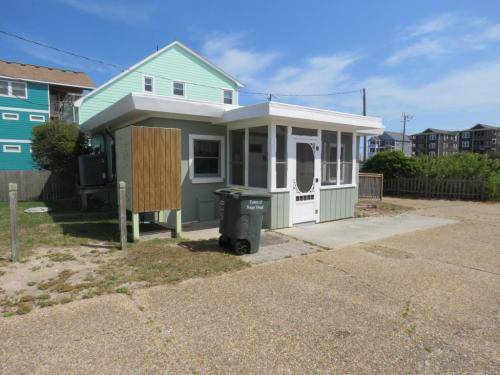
(422, 302)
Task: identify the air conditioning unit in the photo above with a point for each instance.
(92, 169)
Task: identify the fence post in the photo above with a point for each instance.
(122, 215)
(13, 222)
(381, 186)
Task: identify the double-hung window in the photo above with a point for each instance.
(178, 88)
(228, 96)
(237, 156)
(16, 89)
(206, 155)
(328, 157)
(281, 156)
(148, 84)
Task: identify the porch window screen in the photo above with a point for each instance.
(257, 157)
(206, 158)
(281, 156)
(328, 157)
(346, 159)
(237, 159)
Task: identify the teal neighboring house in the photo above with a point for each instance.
(31, 95)
(305, 157)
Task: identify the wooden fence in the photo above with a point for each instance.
(34, 185)
(436, 188)
(371, 185)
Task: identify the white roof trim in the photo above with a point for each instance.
(296, 112)
(138, 105)
(153, 55)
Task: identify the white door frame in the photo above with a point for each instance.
(316, 141)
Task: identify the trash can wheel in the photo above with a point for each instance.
(242, 247)
(223, 241)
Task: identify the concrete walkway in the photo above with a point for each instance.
(351, 231)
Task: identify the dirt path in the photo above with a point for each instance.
(423, 302)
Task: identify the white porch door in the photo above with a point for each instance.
(305, 182)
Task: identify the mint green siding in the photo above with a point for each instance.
(337, 203)
(202, 82)
(278, 211)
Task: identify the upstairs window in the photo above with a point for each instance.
(16, 89)
(37, 118)
(148, 84)
(10, 116)
(228, 97)
(178, 88)
(466, 134)
(12, 148)
(433, 137)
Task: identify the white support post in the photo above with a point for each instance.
(271, 157)
(290, 172)
(135, 227)
(178, 224)
(354, 178)
(339, 145)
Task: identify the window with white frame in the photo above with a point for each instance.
(148, 84)
(433, 137)
(466, 135)
(12, 148)
(432, 146)
(237, 156)
(329, 157)
(346, 158)
(37, 118)
(465, 144)
(257, 156)
(178, 88)
(10, 116)
(281, 156)
(17, 89)
(206, 154)
(228, 96)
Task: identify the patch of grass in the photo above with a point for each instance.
(411, 330)
(59, 284)
(46, 303)
(123, 290)
(8, 313)
(61, 257)
(27, 298)
(2, 273)
(36, 268)
(65, 300)
(406, 310)
(31, 283)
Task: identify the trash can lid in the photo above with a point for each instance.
(238, 192)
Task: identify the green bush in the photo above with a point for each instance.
(392, 164)
(56, 147)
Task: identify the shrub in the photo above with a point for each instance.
(392, 164)
(56, 146)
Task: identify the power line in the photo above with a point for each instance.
(122, 68)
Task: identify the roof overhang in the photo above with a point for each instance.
(137, 106)
(304, 116)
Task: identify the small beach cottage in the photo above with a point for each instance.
(305, 157)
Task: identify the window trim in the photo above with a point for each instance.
(202, 137)
(183, 91)
(18, 149)
(232, 96)
(10, 119)
(32, 118)
(9, 89)
(153, 85)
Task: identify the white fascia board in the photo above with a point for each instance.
(304, 114)
(157, 106)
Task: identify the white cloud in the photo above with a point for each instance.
(472, 90)
(444, 35)
(134, 14)
(228, 53)
(432, 25)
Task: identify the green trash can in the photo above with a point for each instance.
(241, 215)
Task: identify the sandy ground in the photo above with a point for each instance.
(422, 302)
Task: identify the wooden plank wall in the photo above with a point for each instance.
(371, 185)
(156, 169)
(35, 185)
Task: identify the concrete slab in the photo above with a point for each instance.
(350, 231)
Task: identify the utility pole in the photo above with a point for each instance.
(270, 98)
(406, 118)
(365, 139)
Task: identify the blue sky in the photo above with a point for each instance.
(438, 60)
